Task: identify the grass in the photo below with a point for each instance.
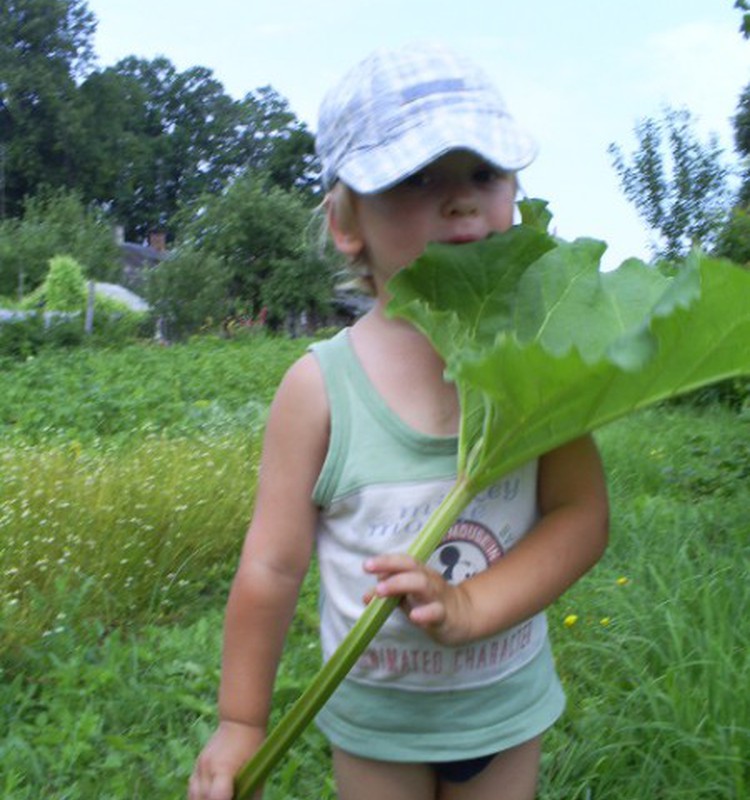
(131, 533)
(208, 385)
(116, 553)
(656, 665)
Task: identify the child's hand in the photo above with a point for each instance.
(430, 602)
(221, 759)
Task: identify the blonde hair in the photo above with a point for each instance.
(358, 275)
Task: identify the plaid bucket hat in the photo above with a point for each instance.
(399, 110)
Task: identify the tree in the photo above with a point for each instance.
(678, 184)
(733, 240)
(741, 124)
(276, 143)
(114, 149)
(55, 222)
(259, 232)
(153, 139)
(45, 46)
(188, 292)
(298, 290)
(744, 5)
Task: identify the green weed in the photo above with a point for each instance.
(207, 386)
(129, 533)
(116, 553)
(656, 664)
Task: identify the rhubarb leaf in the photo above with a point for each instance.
(557, 347)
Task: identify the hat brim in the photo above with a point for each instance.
(498, 139)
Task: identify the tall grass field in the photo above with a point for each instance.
(126, 485)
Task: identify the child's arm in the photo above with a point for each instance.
(568, 540)
(274, 560)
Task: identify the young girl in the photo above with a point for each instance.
(452, 697)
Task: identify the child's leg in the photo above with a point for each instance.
(511, 775)
(365, 779)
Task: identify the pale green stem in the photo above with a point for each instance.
(254, 773)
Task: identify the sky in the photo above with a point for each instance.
(578, 74)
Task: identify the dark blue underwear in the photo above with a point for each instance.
(461, 771)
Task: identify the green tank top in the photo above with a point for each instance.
(409, 698)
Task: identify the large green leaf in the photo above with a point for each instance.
(544, 346)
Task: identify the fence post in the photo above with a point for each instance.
(88, 326)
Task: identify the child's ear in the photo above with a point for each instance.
(344, 230)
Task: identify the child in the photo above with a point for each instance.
(452, 697)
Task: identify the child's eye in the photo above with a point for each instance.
(487, 174)
(419, 180)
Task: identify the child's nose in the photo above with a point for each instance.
(460, 200)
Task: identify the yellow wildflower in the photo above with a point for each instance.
(570, 620)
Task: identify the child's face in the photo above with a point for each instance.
(456, 199)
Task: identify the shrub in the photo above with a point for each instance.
(297, 289)
(65, 286)
(55, 222)
(25, 335)
(188, 292)
(733, 393)
(733, 240)
(22, 337)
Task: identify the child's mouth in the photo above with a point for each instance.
(463, 239)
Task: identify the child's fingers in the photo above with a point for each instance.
(222, 788)
(423, 591)
(397, 574)
(208, 786)
(416, 583)
(389, 563)
(428, 615)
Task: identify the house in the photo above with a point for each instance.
(138, 259)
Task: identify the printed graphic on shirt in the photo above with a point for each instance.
(386, 518)
(469, 659)
(468, 548)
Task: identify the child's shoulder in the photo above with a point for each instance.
(299, 417)
(301, 396)
(303, 381)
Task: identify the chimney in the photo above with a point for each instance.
(157, 240)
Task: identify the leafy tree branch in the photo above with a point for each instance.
(678, 184)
